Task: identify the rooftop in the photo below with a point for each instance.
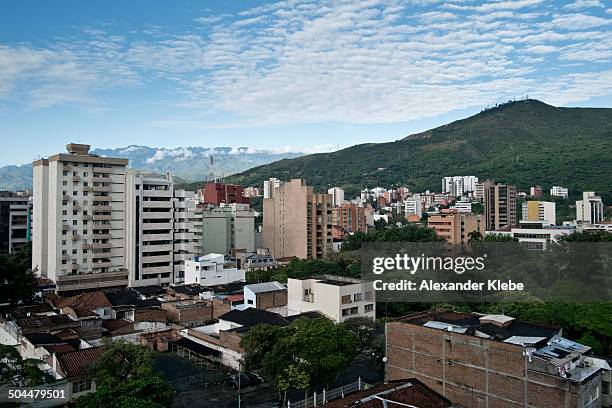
(494, 327)
(265, 287)
(79, 363)
(406, 393)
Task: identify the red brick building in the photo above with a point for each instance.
(494, 361)
(217, 193)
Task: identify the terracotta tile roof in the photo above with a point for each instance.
(408, 392)
(115, 324)
(87, 300)
(79, 363)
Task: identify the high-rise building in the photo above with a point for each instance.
(413, 206)
(149, 228)
(78, 220)
(298, 222)
(269, 186)
(535, 191)
(217, 193)
(227, 229)
(350, 217)
(500, 205)
(455, 227)
(539, 211)
(337, 195)
(590, 210)
(15, 221)
(187, 231)
(558, 191)
(459, 185)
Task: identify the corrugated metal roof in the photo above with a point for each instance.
(265, 287)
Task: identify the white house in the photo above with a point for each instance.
(336, 297)
(210, 270)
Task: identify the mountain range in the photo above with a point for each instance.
(523, 142)
(186, 163)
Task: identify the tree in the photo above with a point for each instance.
(587, 236)
(317, 349)
(19, 372)
(259, 340)
(293, 378)
(474, 236)
(364, 328)
(17, 281)
(406, 233)
(125, 378)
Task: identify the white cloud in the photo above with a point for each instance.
(302, 61)
(583, 4)
(179, 154)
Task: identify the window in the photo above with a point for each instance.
(250, 301)
(81, 386)
(357, 297)
(367, 296)
(368, 308)
(354, 310)
(346, 299)
(605, 388)
(345, 312)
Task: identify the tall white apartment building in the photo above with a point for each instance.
(337, 195)
(413, 206)
(558, 191)
(78, 220)
(459, 185)
(269, 186)
(590, 210)
(149, 230)
(187, 231)
(463, 206)
(539, 211)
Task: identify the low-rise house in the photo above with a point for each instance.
(77, 368)
(408, 393)
(336, 297)
(211, 270)
(188, 312)
(224, 336)
(270, 296)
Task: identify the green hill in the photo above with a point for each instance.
(524, 143)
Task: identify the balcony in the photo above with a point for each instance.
(101, 198)
(92, 280)
(76, 178)
(102, 217)
(76, 237)
(102, 236)
(102, 188)
(105, 170)
(102, 207)
(106, 264)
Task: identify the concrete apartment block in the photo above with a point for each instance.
(79, 220)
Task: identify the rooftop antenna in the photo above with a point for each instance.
(211, 174)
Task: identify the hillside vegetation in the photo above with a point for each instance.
(524, 143)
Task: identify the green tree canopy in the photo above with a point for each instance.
(125, 378)
(17, 281)
(316, 349)
(20, 372)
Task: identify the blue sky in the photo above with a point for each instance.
(291, 75)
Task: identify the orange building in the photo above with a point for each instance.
(454, 226)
